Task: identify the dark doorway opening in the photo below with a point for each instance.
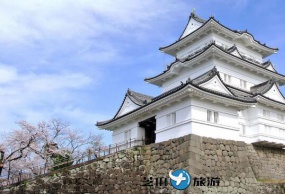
(149, 126)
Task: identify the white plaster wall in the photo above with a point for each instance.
(119, 134)
(182, 110)
(240, 45)
(175, 131)
(136, 131)
(215, 131)
(165, 130)
(227, 126)
(228, 116)
(237, 74)
(222, 41)
(252, 129)
(193, 119)
(256, 122)
(140, 133)
(185, 73)
(194, 47)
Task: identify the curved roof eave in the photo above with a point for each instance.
(260, 67)
(240, 33)
(180, 39)
(173, 91)
(166, 71)
(268, 99)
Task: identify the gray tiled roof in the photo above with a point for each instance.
(202, 50)
(206, 76)
(138, 98)
(236, 93)
(262, 88)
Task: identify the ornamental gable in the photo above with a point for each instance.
(274, 93)
(127, 106)
(216, 84)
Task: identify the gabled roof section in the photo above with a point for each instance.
(206, 49)
(132, 101)
(234, 51)
(193, 23)
(188, 86)
(262, 87)
(268, 89)
(268, 65)
(211, 23)
(138, 98)
(275, 94)
(212, 80)
(178, 61)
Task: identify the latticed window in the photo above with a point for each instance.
(243, 131)
(216, 117)
(209, 115)
(212, 116)
(266, 113)
(243, 84)
(171, 118)
(127, 135)
(227, 78)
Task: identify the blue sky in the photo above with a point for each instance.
(75, 60)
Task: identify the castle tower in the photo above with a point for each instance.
(218, 86)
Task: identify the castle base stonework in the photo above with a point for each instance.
(239, 167)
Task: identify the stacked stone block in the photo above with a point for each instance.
(242, 168)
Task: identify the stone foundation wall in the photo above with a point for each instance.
(267, 163)
(242, 168)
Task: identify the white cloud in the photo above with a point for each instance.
(22, 21)
(7, 74)
(58, 49)
(38, 94)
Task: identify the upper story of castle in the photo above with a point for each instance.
(198, 32)
(205, 44)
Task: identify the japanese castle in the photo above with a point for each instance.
(218, 86)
